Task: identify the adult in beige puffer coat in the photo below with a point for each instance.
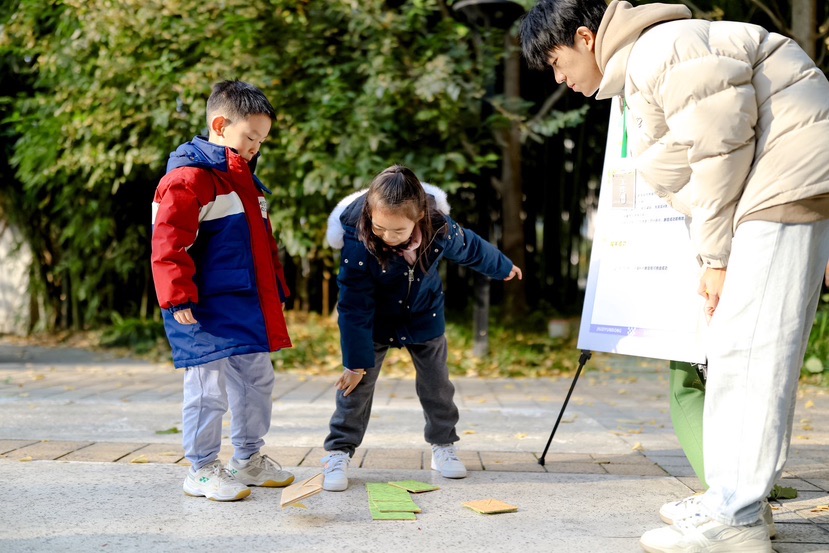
(729, 123)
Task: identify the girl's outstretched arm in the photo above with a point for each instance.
(514, 272)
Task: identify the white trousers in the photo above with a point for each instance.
(242, 382)
(756, 343)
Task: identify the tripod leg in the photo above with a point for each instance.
(585, 356)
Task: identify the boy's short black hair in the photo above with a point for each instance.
(553, 23)
(237, 100)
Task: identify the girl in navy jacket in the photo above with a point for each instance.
(393, 237)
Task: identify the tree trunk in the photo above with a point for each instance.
(804, 25)
(480, 314)
(511, 183)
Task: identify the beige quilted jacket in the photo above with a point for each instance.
(725, 119)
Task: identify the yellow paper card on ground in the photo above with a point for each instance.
(299, 491)
(490, 506)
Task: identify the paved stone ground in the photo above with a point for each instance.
(64, 411)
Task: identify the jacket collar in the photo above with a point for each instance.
(621, 25)
(201, 153)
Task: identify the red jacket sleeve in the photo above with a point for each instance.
(177, 203)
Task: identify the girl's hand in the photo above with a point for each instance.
(710, 288)
(515, 271)
(185, 317)
(349, 380)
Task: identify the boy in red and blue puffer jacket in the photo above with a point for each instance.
(221, 287)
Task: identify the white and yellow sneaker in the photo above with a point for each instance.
(214, 482)
(260, 470)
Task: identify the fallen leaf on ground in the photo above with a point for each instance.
(172, 430)
(781, 492)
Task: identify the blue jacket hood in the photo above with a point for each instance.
(201, 153)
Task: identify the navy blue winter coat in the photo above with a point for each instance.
(399, 305)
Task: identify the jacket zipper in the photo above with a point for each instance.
(412, 267)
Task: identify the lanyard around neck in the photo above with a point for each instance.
(625, 152)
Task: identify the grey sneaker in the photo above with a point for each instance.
(678, 510)
(214, 482)
(700, 533)
(445, 460)
(334, 467)
(260, 470)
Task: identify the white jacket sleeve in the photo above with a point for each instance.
(709, 111)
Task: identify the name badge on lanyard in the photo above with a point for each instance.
(263, 207)
(623, 172)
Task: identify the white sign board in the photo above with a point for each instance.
(641, 286)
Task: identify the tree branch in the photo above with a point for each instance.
(778, 22)
(444, 9)
(694, 7)
(551, 101)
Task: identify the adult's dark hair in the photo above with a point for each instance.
(553, 23)
(397, 190)
(237, 100)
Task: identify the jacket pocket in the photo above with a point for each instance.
(224, 281)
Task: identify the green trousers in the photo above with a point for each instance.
(687, 398)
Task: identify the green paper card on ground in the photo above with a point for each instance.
(387, 502)
(380, 515)
(385, 492)
(414, 486)
(395, 506)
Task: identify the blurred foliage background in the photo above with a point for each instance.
(96, 93)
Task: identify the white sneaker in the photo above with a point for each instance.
(214, 482)
(677, 510)
(700, 534)
(334, 466)
(260, 470)
(445, 460)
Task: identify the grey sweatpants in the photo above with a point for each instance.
(242, 382)
(435, 391)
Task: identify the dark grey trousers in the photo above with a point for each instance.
(435, 391)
